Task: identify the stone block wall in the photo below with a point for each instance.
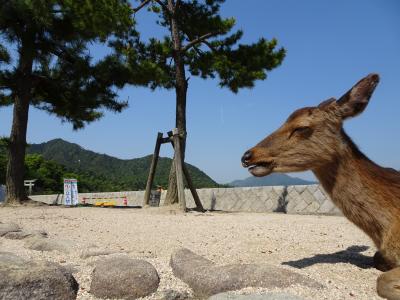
(255, 199)
(309, 199)
(299, 199)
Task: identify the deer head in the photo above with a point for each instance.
(311, 136)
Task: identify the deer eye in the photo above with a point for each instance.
(303, 131)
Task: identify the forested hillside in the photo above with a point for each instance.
(116, 174)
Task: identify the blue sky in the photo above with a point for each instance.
(330, 46)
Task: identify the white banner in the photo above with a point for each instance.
(74, 191)
(70, 192)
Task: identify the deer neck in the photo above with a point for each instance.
(361, 189)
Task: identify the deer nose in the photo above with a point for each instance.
(246, 157)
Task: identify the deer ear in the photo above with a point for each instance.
(327, 103)
(356, 99)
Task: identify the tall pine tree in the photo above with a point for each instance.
(200, 43)
(45, 63)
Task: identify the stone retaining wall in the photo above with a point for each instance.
(299, 199)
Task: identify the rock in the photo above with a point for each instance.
(95, 252)
(124, 278)
(8, 227)
(206, 279)
(388, 284)
(71, 268)
(19, 235)
(39, 243)
(268, 296)
(175, 295)
(34, 280)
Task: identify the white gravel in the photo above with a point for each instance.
(153, 234)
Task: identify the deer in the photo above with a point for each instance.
(313, 138)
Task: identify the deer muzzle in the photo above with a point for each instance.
(257, 169)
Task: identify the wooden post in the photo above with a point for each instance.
(152, 171)
(189, 181)
(178, 168)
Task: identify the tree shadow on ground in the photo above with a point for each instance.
(351, 255)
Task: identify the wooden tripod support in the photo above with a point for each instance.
(174, 137)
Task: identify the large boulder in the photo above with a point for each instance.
(206, 279)
(124, 278)
(34, 280)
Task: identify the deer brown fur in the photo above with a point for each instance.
(313, 138)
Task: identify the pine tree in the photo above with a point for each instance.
(201, 43)
(45, 63)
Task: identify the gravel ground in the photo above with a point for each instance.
(328, 249)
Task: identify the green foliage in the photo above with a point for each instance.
(50, 177)
(54, 36)
(57, 159)
(210, 48)
(49, 174)
(4, 55)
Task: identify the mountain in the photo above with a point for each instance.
(125, 174)
(272, 179)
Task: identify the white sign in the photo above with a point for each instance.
(70, 192)
(74, 191)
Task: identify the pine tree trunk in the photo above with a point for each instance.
(16, 157)
(181, 92)
(17, 144)
(172, 193)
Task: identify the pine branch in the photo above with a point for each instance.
(143, 4)
(212, 48)
(198, 51)
(199, 40)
